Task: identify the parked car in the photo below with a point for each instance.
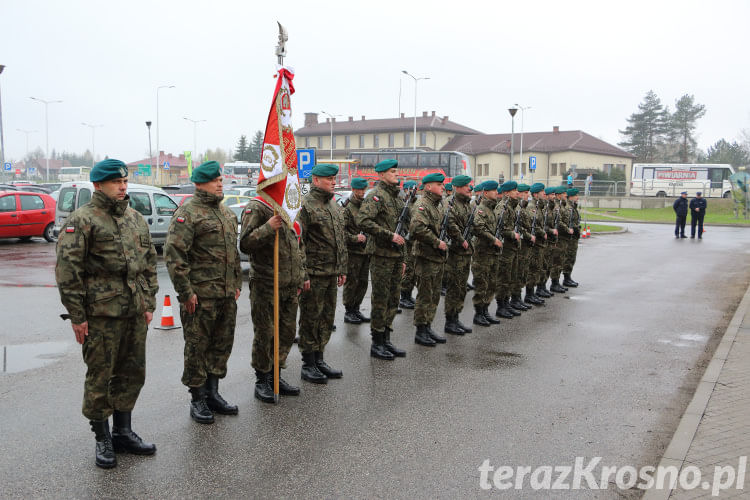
(180, 188)
(153, 203)
(35, 189)
(181, 198)
(52, 186)
(238, 209)
(8, 187)
(250, 191)
(25, 215)
(233, 199)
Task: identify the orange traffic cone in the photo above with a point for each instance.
(167, 319)
(588, 231)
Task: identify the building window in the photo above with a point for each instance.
(307, 142)
(515, 170)
(391, 140)
(320, 143)
(423, 138)
(553, 169)
(347, 142)
(407, 139)
(523, 169)
(376, 141)
(486, 169)
(361, 141)
(333, 142)
(562, 168)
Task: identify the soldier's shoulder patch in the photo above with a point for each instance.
(248, 210)
(70, 229)
(375, 198)
(180, 219)
(421, 208)
(480, 211)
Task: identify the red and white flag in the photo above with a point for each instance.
(278, 183)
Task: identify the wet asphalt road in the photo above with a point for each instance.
(605, 371)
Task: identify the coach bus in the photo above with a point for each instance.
(412, 164)
(671, 179)
(241, 172)
(69, 174)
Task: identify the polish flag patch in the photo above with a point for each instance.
(180, 219)
(376, 198)
(248, 210)
(421, 208)
(70, 229)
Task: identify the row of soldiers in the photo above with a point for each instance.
(106, 275)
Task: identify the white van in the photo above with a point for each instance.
(153, 203)
(670, 179)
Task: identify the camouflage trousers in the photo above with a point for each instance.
(408, 280)
(429, 281)
(507, 271)
(357, 278)
(556, 259)
(317, 308)
(484, 268)
(115, 355)
(524, 255)
(546, 261)
(261, 311)
(535, 265)
(569, 255)
(386, 274)
(209, 337)
(457, 269)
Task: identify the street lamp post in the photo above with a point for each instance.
(150, 155)
(195, 134)
(415, 103)
(330, 120)
(520, 154)
(46, 128)
(512, 112)
(158, 151)
(2, 135)
(93, 140)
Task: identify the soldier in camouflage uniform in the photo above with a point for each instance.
(358, 274)
(573, 234)
(542, 240)
(409, 280)
(536, 209)
(486, 260)
(527, 212)
(448, 197)
(378, 218)
(204, 265)
(458, 265)
(559, 249)
(324, 241)
(429, 258)
(508, 303)
(106, 276)
(259, 227)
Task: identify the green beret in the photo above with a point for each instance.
(107, 170)
(523, 187)
(449, 187)
(536, 187)
(461, 180)
(359, 183)
(549, 190)
(509, 186)
(206, 172)
(325, 170)
(560, 190)
(489, 185)
(386, 165)
(410, 184)
(572, 191)
(436, 177)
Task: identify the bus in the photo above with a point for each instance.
(671, 179)
(70, 174)
(412, 164)
(241, 172)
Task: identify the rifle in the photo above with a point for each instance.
(533, 221)
(470, 220)
(557, 221)
(444, 223)
(499, 227)
(544, 221)
(518, 222)
(404, 214)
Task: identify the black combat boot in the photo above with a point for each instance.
(406, 301)
(285, 388)
(422, 337)
(451, 325)
(531, 298)
(568, 281)
(310, 371)
(399, 353)
(555, 287)
(520, 304)
(199, 410)
(350, 316)
(215, 402)
(491, 319)
(434, 335)
(264, 386)
(125, 440)
(362, 317)
(324, 368)
(105, 450)
(502, 311)
(465, 328)
(542, 292)
(378, 349)
(479, 318)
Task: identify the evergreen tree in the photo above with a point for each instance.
(725, 152)
(255, 147)
(646, 131)
(242, 151)
(682, 125)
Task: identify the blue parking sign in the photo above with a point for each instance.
(305, 163)
(7, 166)
(532, 162)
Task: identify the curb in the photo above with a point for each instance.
(678, 448)
(619, 231)
(621, 221)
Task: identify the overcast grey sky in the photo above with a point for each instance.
(579, 64)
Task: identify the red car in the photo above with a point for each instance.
(181, 198)
(25, 215)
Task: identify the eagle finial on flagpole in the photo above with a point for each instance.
(281, 47)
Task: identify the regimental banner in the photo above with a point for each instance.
(278, 183)
(676, 175)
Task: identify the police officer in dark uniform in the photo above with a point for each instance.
(697, 212)
(680, 207)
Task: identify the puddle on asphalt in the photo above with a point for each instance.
(489, 359)
(576, 297)
(22, 357)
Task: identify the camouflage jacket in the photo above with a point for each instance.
(509, 221)
(425, 227)
(351, 210)
(377, 218)
(540, 229)
(106, 264)
(201, 249)
(257, 241)
(458, 217)
(485, 224)
(564, 224)
(323, 235)
(551, 208)
(575, 220)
